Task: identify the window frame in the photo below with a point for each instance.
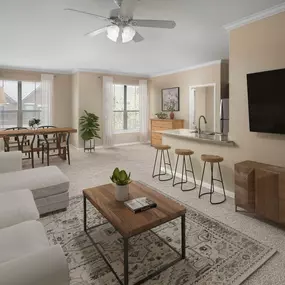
(20, 112)
(125, 111)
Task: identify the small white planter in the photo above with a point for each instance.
(122, 193)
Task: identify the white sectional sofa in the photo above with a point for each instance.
(26, 258)
(16, 207)
(48, 184)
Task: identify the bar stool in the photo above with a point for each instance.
(212, 159)
(184, 153)
(162, 148)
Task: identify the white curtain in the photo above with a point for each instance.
(144, 118)
(108, 95)
(46, 97)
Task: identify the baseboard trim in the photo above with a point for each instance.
(81, 149)
(125, 144)
(116, 145)
(205, 184)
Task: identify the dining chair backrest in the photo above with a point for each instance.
(46, 127)
(59, 138)
(16, 128)
(8, 141)
(21, 139)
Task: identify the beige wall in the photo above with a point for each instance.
(62, 93)
(72, 95)
(253, 48)
(200, 104)
(209, 109)
(87, 95)
(204, 106)
(185, 79)
(75, 107)
(62, 100)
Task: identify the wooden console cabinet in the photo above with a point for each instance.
(162, 125)
(260, 188)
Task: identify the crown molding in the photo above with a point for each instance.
(72, 71)
(256, 17)
(18, 68)
(109, 72)
(189, 68)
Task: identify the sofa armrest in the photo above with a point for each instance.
(44, 267)
(10, 161)
(16, 207)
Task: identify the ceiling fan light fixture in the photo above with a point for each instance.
(113, 33)
(128, 34)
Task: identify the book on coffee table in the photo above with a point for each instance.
(140, 204)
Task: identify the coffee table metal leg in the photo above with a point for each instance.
(84, 213)
(126, 261)
(183, 233)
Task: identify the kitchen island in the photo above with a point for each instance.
(203, 143)
(206, 137)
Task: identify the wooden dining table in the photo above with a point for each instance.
(31, 132)
(34, 132)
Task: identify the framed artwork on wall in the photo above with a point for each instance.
(170, 99)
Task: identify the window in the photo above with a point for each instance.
(126, 108)
(23, 102)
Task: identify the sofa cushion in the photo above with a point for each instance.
(42, 181)
(22, 239)
(16, 207)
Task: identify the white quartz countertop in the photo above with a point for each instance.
(203, 137)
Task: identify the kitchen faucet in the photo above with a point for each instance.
(199, 128)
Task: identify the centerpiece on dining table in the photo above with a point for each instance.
(34, 123)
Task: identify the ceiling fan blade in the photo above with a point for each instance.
(96, 32)
(87, 13)
(154, 24)
(138, 38)
(128, 8)
(114, 13)
(118, 2)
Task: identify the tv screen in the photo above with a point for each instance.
(266, 101)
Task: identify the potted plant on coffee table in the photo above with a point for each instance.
(89, 128)
(122, 181)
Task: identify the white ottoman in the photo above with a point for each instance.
(48, 185)
(16, 207)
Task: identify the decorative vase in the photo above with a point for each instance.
(122, 193)
(171, 115)
(34, 127)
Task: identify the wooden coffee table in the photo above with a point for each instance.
(129, 224)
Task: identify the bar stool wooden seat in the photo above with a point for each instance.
(212, 159)
(184, 153)
(162, 149)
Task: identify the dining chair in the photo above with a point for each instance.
(61, 145)
(41, 138)
(11, 143)
(29, 149)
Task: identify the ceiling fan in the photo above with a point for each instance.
(121, 23)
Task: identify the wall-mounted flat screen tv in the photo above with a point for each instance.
(266, 101)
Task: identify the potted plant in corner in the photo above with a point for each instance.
(89, 127)
(122, 181)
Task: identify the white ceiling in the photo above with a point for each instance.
(39, 34)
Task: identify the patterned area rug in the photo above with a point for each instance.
(216, 253)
